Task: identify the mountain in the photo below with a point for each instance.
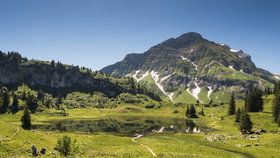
(60, 79)
(190, 68)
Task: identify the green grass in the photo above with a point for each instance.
(16, 142)
(184, 97)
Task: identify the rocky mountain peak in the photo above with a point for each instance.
(192, 67)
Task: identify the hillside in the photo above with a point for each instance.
(60, 79)
(190, 68)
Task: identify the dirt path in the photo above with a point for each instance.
(139, 136)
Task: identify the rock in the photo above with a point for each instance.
(43, 151)
(34, 150)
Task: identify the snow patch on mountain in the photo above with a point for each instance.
(135, 75)
(195, 92)
(164, 78)
(158, 82)
(277, 77)
(186, 59)
(231, 67)
(243, 72)
(209, 92)
(234, 50)
(141, 78)
(146, 74)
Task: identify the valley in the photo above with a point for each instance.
(218, 135)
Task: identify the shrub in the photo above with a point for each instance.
(149, 106)
(65, 146)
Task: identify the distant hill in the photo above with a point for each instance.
(190, 68)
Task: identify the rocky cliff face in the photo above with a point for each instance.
(58, 78)
(192, 67)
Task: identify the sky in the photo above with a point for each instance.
(97, 33)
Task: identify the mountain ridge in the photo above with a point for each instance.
(194, 63)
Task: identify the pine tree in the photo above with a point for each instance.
(14, 106)
(5, 100)
(191, 112)
(245, 124)
(40, 95)
(231, 110)
(26, 119)
(23, 96)
(202, 112)
(277, 88)
(254, 101)
(237, 115)
(187, 111)
(276, 108)
(31, 102)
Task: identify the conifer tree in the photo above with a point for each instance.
(14, 106)
(191, 112)
(26, 119)
(187, 111)
(23, 96)
(5, 100)
(202, 112)
(245, 124)
(254, 101)
(31, 102)
(276, 108)
(237, 115)
(231, 110)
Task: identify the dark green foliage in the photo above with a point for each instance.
(23, 96)
(254, 101)
(5, 100)
(245, 124)
(267, 91)
(31, 102)
(231, 109)
(129, 98)
(149, 106)
(64, 146)
(202, 112)
(211, 102)
(15, 106)
(187, 111)
(276, 108)
(191, 112)
(237, 115)
(277, 88)
(40, 95)
(26, 120)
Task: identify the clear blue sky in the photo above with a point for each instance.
(96, 33)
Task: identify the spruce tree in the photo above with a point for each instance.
(202, 112)
(245, 124)
(254, 101)
(231, 110)
(31, 102)
(237, 115)
(26, 119)
(14, 106)
(187, 111)
(191, 112)
(5, 100)
(276, 108)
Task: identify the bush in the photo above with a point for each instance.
(149, 106)
(65, 146)
(129, 98)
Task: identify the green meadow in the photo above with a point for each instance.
(219, 135)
